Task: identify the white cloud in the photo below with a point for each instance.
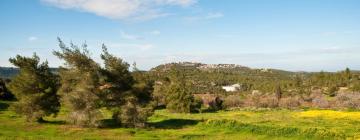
(121, 9)
(130, 37)
(155, 32)
(208, 16)
(177, 2)
(32, 38)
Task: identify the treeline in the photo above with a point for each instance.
(255, 79)
(321, 90)
(10, 72)
(84, 88)
(5, 94)
(265, 89)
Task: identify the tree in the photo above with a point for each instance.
(117, 82)
(4, 92)
(332, 91)
(299, 85)
(127, 96)
(143, 87)
(278, 92)
(356, 85)
(179, 97)
(133, 114)
(160, 91)
(347, 74)
(35, 88)
(80, 84)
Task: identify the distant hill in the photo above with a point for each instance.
(225, 68)
(211, 77)
(9, 72)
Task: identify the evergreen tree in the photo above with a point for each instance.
(160, 91)
(117, 83)
(299, 86)
(133, 114)
(179, 96)
(278, 92)
(79, 84)
(4, 92)
(126, 96)
(347, 74)
(35, 88)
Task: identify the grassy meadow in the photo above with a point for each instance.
(235, 124)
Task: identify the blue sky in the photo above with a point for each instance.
(301, 35)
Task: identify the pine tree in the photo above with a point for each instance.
(179, 96)
(35, 88)
(80, 80)
(126, 96)
(116, 82)
(133, 114)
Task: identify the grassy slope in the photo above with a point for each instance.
(270, 124)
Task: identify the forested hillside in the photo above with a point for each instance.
(8, 72)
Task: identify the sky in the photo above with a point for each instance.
(295, 35)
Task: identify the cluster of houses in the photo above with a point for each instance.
(217, 66)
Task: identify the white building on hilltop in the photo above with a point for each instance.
(232, 88)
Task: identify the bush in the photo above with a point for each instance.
(4, 92)
(196, 105)
(268, 102)
(332, 91)
(211, 102)
(252, 100)
(261, 101)
(348, 100)
(319, 101)
(233, 101)
(133, 115)
(290, 102)
(85, 118)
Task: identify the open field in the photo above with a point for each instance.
(239, 124)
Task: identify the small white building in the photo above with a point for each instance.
(232, 88)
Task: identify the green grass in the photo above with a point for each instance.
(240, 124)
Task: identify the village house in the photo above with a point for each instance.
(232, 88)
